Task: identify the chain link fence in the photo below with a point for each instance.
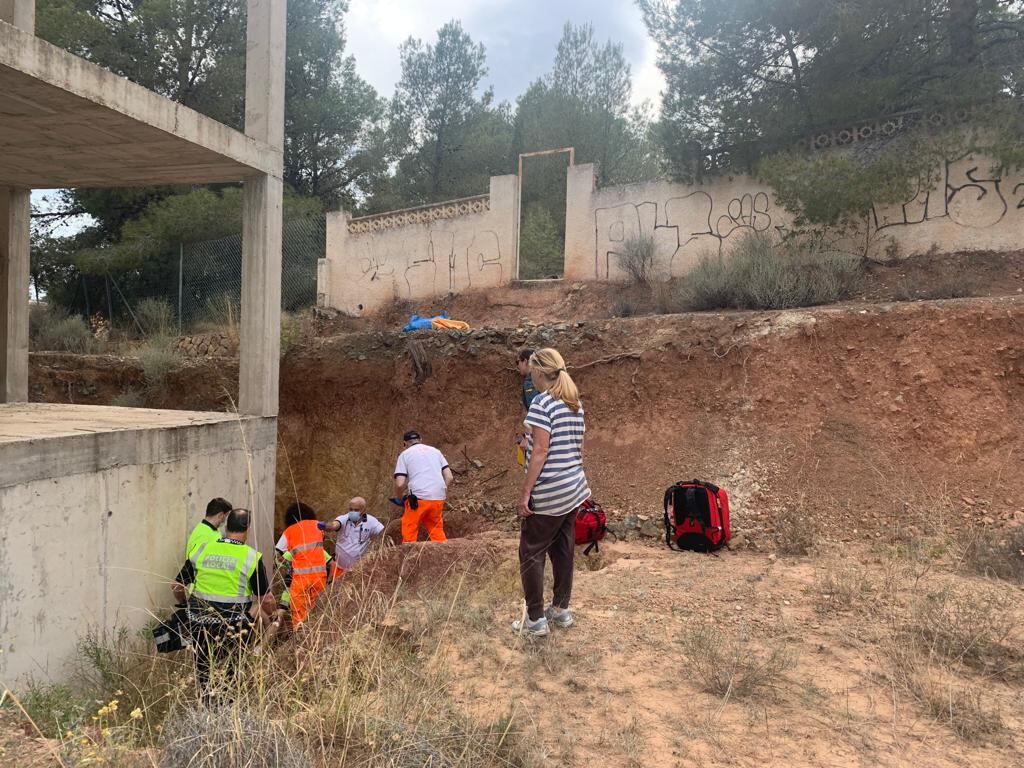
(210, 273)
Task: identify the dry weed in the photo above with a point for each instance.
(937, 690)
(968, 627)
(796, 531)
(732, 666)
(997, 553)
(840, 587)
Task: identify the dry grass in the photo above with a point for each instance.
(997, 553)
(732, 666)
(366, 690)
(157, 359)
(933, 685)
(795, 530)
(840, 587)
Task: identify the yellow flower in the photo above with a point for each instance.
(105, 733)
(136, 714)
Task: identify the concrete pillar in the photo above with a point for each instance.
(580, 236)
(261, 218)
(259, 353)
(20, 13)
(15, 212)
(260, 347)
(264, 71)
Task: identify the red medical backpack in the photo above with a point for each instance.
(696, 516)
(591, 525)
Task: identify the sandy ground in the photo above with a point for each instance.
(619, 688)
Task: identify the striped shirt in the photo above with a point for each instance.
(562, 485)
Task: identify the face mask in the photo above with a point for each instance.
(354, 515)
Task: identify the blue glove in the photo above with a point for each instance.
(397, 501)
(322, 525)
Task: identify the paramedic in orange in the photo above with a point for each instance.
(422, 477)
(304, 540)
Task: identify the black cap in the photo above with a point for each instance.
(412, 434)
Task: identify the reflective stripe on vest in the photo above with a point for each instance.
(306, 545)
(223, 570)
(201, 533)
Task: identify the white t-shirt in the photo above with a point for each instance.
(354, 539)
(423, 464)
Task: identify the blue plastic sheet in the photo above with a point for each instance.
(417, 323)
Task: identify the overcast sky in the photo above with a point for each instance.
(520, 37)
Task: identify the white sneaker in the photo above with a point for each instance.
(560, 617)
(538, 628)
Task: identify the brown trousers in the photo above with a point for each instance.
(546, 536)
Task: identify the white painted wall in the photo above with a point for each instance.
(99, 548)
(421, 259)
(968, 208)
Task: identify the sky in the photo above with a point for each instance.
(520, 37)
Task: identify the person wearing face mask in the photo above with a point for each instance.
(355, 531)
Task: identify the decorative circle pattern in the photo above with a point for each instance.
(424, 215)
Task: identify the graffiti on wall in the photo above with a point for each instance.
(967, 193)
(443, 261)
(682, 228)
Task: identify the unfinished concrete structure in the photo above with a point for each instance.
(95, 503)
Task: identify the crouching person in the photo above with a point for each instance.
(355, 529)
(283, 617)
(230, 597)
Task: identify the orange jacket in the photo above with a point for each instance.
(304, 539)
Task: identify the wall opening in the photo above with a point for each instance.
(542, 187)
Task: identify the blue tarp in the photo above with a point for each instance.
(417, 323)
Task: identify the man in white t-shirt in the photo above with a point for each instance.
(422, 476)
(355, 531)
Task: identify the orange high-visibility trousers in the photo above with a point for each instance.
(304, 591)
(429, 515)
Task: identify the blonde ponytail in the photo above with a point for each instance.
(548, 365)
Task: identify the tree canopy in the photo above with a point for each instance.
(757, 74)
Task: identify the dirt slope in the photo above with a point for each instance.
(866, 419)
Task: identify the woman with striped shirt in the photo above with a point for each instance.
(554, 489)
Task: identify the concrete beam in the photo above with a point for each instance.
(264, 71)
(20, 13)
(65, 122)
(15, 217)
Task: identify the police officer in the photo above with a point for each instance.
(230, 595)
(208, 528)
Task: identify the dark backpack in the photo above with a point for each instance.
(696, 516)
(591, 525)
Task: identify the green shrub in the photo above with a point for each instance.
(758, 273)
(52, 708)
(52, 329)
(156, 316)
(157, 360)
(637, 258)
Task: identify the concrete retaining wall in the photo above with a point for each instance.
(94, 527)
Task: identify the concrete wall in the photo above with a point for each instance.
(420, 253)
(94, 527)
(967, 209)
(413, 255)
